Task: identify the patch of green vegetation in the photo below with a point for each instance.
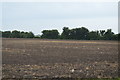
(74, 34)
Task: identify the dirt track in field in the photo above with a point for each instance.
(35, 58)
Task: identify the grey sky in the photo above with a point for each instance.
(37, 16)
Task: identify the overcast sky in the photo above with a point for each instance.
(38, 16)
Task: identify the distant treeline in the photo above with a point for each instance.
(17, 34)
(76, 33)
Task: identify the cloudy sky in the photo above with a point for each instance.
(38, 16)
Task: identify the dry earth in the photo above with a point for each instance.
(36, 58)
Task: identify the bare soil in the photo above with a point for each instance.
(36, 58)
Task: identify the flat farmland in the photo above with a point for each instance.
(40, 58)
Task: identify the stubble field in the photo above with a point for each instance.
(36, 58)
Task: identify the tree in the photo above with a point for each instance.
(6, 34)
(15, 34)
(22, 34)
(79, 33)
(50, 34)
(119, 36)
(108, 35)
(66, 33)
(72, 34)
(93, 35)
(84, 33)
(102, 33)
(115, 37)
(0, 34)
(75, 33)
(30, 35)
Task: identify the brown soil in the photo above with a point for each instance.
(36, 58)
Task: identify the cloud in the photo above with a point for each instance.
(45, 15)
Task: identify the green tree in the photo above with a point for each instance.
(66, 33)
(84, 33)
(115, 37)
(22, 34)
(6, 34)
(50, 34)
(15, 34)
(119, 36)
(30, 35)
(102, 33)
(108, 34)
(93, 35)
(79, 33)
(0, 34)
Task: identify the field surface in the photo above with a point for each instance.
(36, 58)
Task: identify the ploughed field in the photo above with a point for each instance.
(38, 58)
